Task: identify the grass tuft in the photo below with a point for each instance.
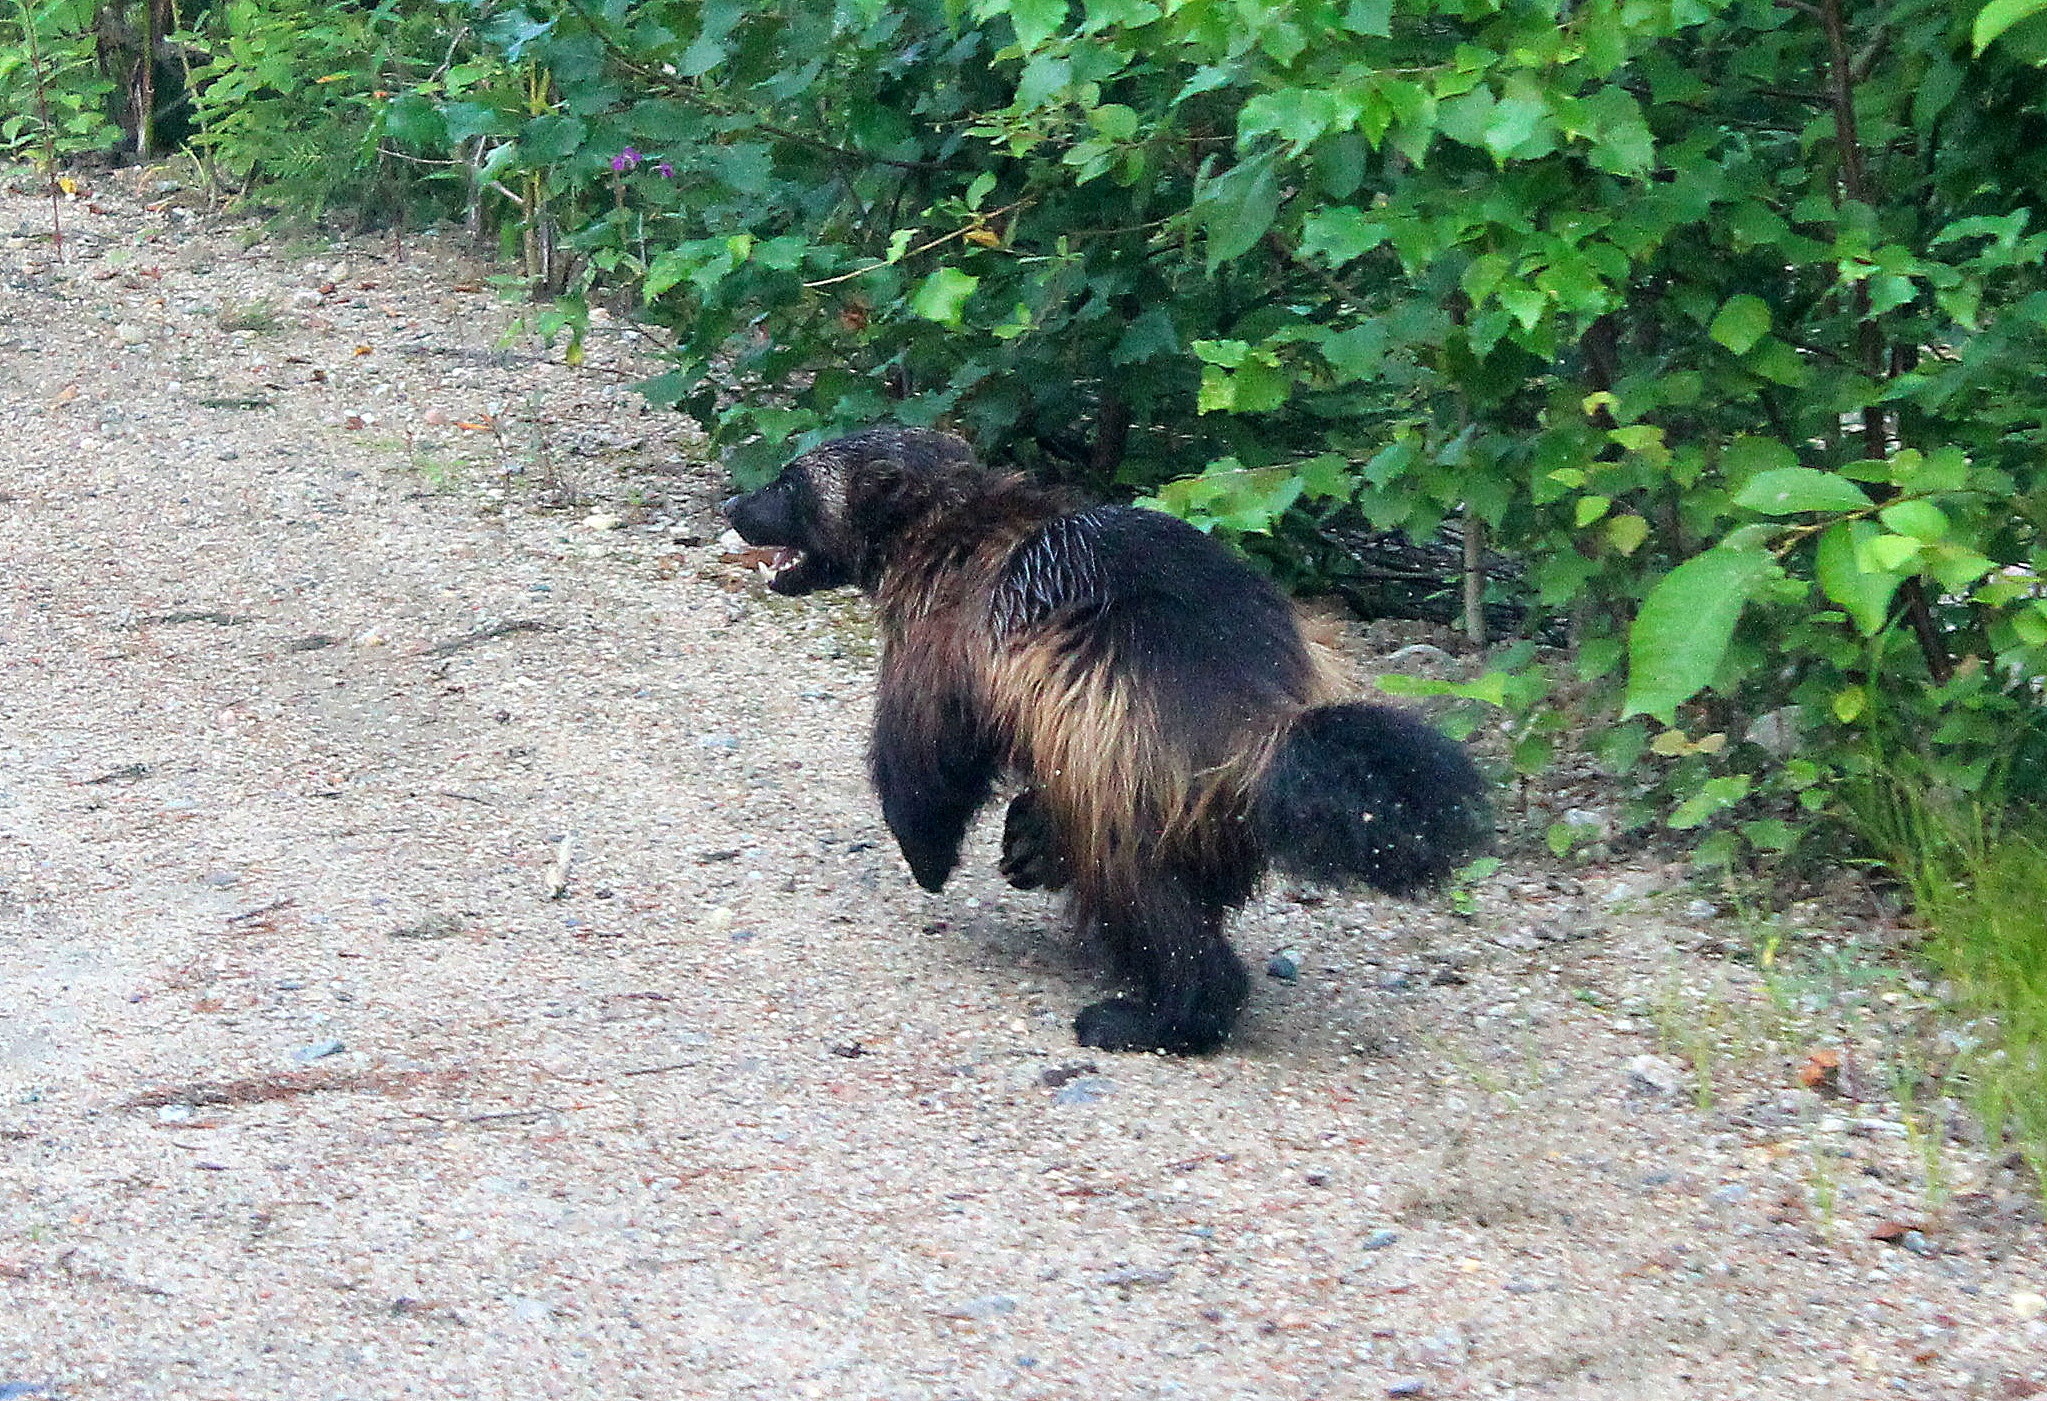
(1978, 878)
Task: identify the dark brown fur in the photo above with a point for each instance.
(1142, 683)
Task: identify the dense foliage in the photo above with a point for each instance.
(1718, 317)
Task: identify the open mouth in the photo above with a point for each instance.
(768, 561)
(780, 559)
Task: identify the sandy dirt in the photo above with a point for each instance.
(448, 949)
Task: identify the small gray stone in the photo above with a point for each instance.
(1779, 731)
(1654, 1075)
(319, 1050)
(1918, 1244)
(1134, 1278)
(1596, 826)
(982, 1309)
(1083, 1091)
(1731, 1193)
(1284, 966)
(1407, 1386)
(1380, 1239)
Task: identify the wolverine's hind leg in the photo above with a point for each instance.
(1032, 858)
(1166, 941)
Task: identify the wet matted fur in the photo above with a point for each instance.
(1174, 730)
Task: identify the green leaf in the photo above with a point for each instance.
(1999, 15)
(1956, 567)
(1684, 625)
(1880, 553)
(1512, 124)
(1779, 363)
(1298, 115)
(1239, 207)
(711, 45)
(1114, 120)
(1715, 795)
(1626, 532)
(1865, 594)
(1340, 235)
(1035, 21)
(1218, 392)
(1327, 477)
(942, 294)
(1148, 337)
(1748, 455)
(1786, 491)
(1373, 17)
(1922, 520)
(1741, 321)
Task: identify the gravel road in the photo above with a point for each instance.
(447, 949)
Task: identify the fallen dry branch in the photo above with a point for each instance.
(263, 1089)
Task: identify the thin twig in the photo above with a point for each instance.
(504, 629)
(925, 247)
(35, 63)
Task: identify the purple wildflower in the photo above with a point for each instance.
(625, 160)
(665, 170)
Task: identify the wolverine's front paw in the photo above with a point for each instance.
(1125, 1024)
(1031, 859)
(930, 872)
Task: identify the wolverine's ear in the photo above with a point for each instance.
(881, 497)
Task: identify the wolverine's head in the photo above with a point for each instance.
(832, 513)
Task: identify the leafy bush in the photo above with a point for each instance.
(51, 88)
(1719, 316)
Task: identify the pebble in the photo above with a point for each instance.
(1082, 1091)
(1380, 1239)
(982, 1309)
(1284, 966)
(319, 1050)
(1135, 1278)
(2027, 1306)
(602, 520)
(1654, 1074)
(128, 333)
(1407, 1386)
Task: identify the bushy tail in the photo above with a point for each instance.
(1367, 792)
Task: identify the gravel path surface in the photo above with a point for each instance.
(447, 949)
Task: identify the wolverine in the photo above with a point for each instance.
(1173, 731)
